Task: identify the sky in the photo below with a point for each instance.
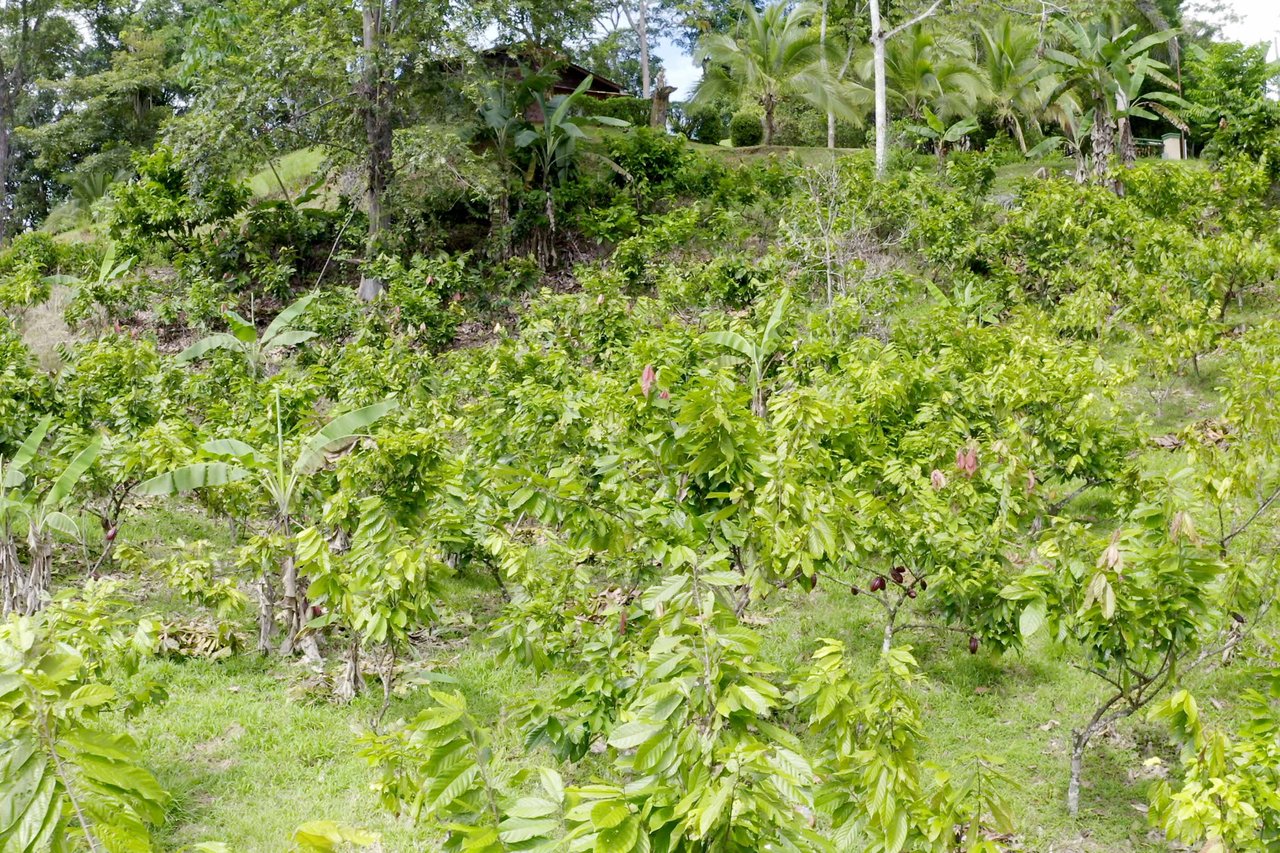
(1259, 21)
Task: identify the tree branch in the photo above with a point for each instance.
(911, 23)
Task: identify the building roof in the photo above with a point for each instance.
(568, 74)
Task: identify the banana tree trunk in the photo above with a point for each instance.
(40, 575)
(1103, 137)
(11, 578)
(350, 682)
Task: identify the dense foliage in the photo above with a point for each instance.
(386, 353)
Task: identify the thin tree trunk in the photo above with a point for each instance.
(377, 124)
(878, 40)
(349, 683)
(6, 127)
(822, 40)
(769, 126)
(266, 606)
(1077, 766)
(642, 34)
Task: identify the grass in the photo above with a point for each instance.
(252, 747)
(296, 170)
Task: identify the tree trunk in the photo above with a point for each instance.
(350, 682)
(295, 603)
(822, 40)
(660, 103)
(769, 127)
(40, 578)
(374, 90)
(642, 34)
(6, 128)
(266, 608)
(878, 40)
(11, 574)
(1080, 741)
(1103, 137)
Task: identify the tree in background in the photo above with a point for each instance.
(928, 68)
(880, 37)
(1012, 74)
(771, 54)
(257, 93)
(37, 38)
(1099, 65)
(1226, 94)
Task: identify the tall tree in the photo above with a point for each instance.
(771, 54)
(880, 37)
(1013, 74)
(260, 91)
(1101, 65)
(37, 38)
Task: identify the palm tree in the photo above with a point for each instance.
(773, 53)
(928, 68)
(1013, 75)
(1100, 65)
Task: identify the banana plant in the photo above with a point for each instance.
(757, 354)
(281, 479)
(22, 588)
(554, 145)
(245, 340)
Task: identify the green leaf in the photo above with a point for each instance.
(712, 807)
(340, 429)
(60, 522)
(324, 836)
(200, 475)
(514, 830)
(72, 473)
(284, 320)
(633, 734)
(733, 341)
(241, 329)
(1033, 617)
(200, 348)
(233, 447)
(607, 814)
(26, 452)
(30, 797)
(619, 839)
(288, 338)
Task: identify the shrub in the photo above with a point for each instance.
(745, 129)
(700, 122)
(801, 123)
(22, 389)
(627, 108)
(649, 156)
(25, 267)
(166, 202)
(971, 171)
(414, 302)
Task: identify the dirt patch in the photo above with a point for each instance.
(45, 329)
